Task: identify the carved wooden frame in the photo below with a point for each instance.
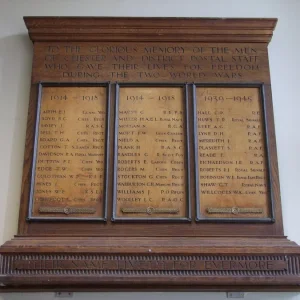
(263, 106)
(41, 85)
(187, 151)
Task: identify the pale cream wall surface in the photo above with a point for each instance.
(15, 68)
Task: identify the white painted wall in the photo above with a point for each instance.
(15, 68)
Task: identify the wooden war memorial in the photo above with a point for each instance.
(150, 159)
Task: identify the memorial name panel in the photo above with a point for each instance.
(70, 153)
(232, 162)
(151, 179)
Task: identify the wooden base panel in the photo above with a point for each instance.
(214, 264)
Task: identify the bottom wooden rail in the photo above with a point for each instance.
(42, 263)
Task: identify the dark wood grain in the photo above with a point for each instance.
(87, 255)
(150, 29)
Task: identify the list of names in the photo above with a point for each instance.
(231, 153)
(151, 170)
(70, 158)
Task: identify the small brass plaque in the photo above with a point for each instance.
(234, 210)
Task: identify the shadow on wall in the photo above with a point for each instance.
(16, 52)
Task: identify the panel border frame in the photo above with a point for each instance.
(41, 85)
(187, 162)
(201, 219)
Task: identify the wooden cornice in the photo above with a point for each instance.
(109, 29)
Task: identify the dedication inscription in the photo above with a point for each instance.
(151, 178)
(69, 167)
(231, 153)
